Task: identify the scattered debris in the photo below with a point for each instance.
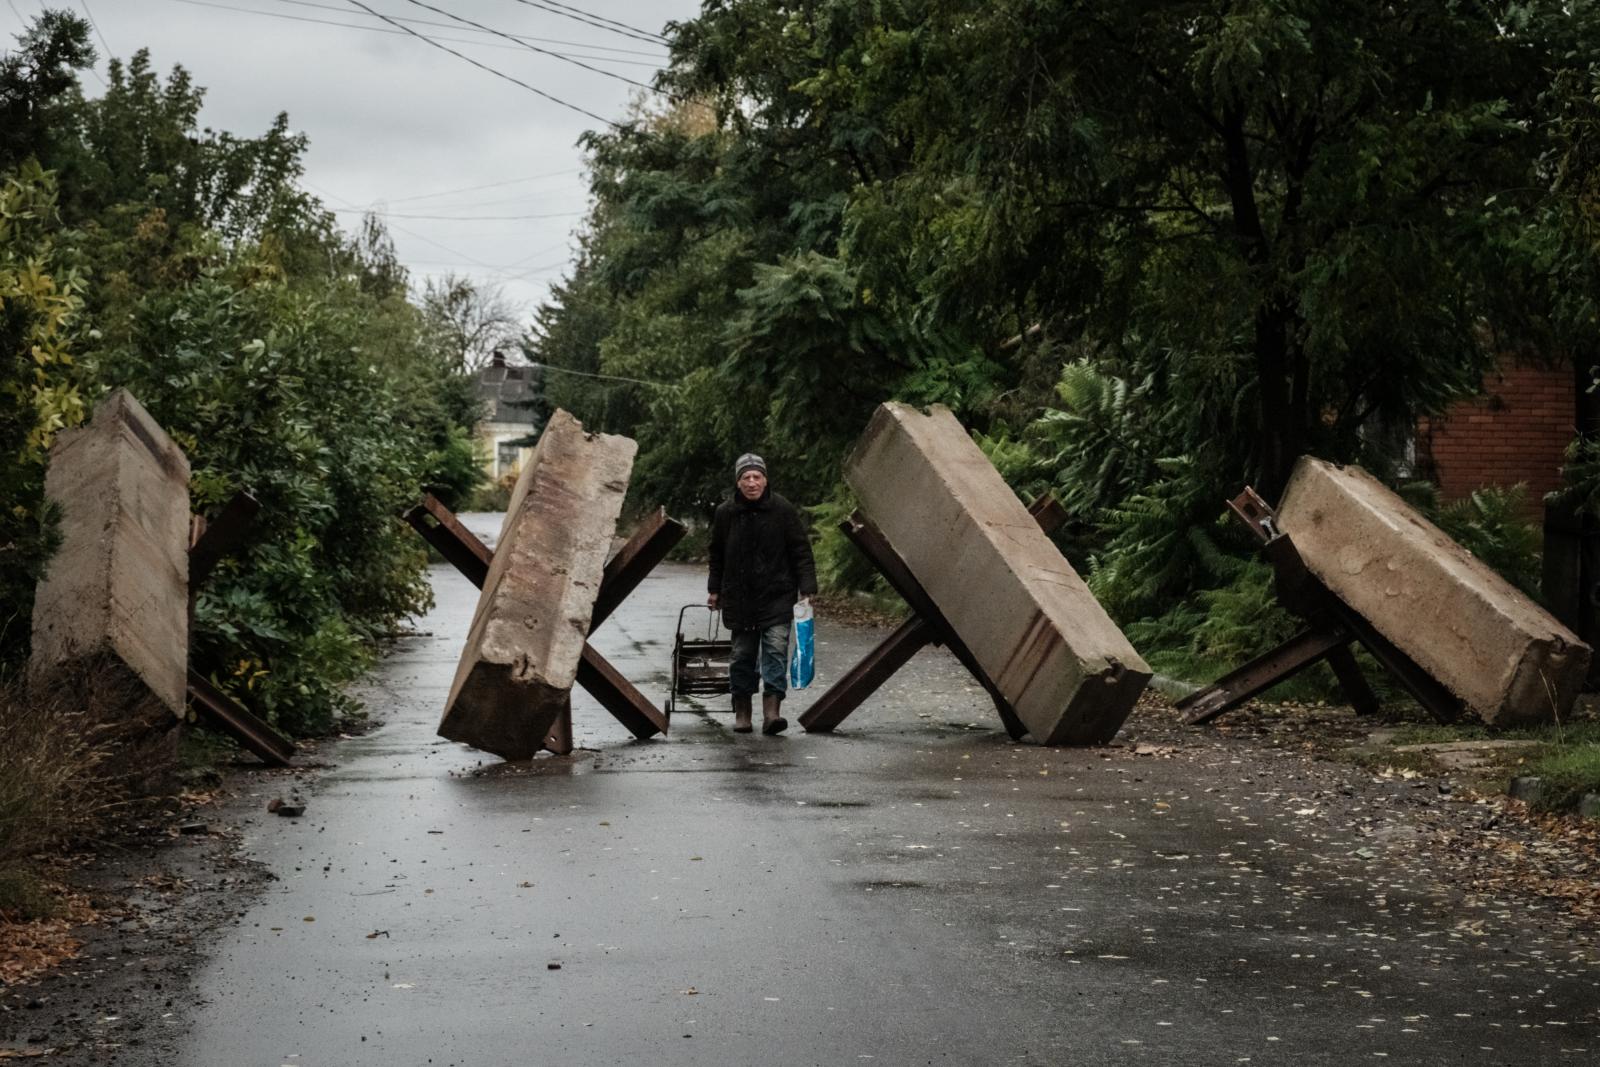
(289, 809)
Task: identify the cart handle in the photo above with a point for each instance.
(713, 620)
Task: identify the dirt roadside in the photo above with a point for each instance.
(159, 890)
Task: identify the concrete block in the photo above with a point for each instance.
(1589, 806)
(1003, 586)
(1510, 661)
(110, 616)
(521, 659)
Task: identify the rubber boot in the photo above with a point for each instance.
(742, 707)
(771, 721)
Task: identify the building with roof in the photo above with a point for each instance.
(508, 393)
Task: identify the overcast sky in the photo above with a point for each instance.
(398, 125)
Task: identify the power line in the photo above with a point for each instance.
(530, 47)
(485, 66)
(85, 5)
(461, 218)
(602, 18)
(365, 28)
(627, 31)
(521, 36)
(489, 185)
(605, 377)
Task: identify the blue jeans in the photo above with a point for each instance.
(768, 646)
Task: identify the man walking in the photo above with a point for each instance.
(761, 566)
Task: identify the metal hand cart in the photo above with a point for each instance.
(700, 664)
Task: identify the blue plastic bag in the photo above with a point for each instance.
(802, 650)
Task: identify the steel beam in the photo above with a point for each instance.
(221, 537)
(619, 696)
(1262, 673)
(864, 679)
(648, 546)
(911, 636)
(225, 713)
(439, 526)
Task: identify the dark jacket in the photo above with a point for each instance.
(760, 561)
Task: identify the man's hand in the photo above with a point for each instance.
(713, 601)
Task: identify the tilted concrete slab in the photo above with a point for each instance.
(1002, 585)
(1507, 658)
(110, 616)
(521, 658)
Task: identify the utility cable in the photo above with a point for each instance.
(601, 18)
(429, 22)
(485, 66)
(649, 38)
(531, 47)
(489, 185)
(366, 28)
(606, 377)
(461, 256)
(85, 5)
(464, 218)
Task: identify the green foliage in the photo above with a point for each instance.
(1149, 253)
(1581, 475)
(40, 308)
(281, 355)
(1567, 772)
(34, 79)
(276, 390)
(1492, 524)
(1214, 630)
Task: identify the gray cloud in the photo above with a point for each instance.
(391, 119)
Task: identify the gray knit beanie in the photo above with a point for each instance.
(749, 462)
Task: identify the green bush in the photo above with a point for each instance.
(273, 388)
(40, 315)
(1492, 524)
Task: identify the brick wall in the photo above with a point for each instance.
(1517, 431)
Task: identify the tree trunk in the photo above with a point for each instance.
(1281, 393)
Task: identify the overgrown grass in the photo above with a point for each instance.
(54, 787)
(1566, 756)
(23, 897)
(1568, 772)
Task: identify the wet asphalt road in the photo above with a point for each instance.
(913, 889)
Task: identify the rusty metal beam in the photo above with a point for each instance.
(1442, 704)
(1048, 513)
(559, 739)
(1255, 514)
(221, 536)
(439, 526)
(1352, 682)
(870, 540)
(1262, 673)
(862, 680)
(223, 712)
(648, 546)
(911, 636)
(1302, 593)
(619, 696)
